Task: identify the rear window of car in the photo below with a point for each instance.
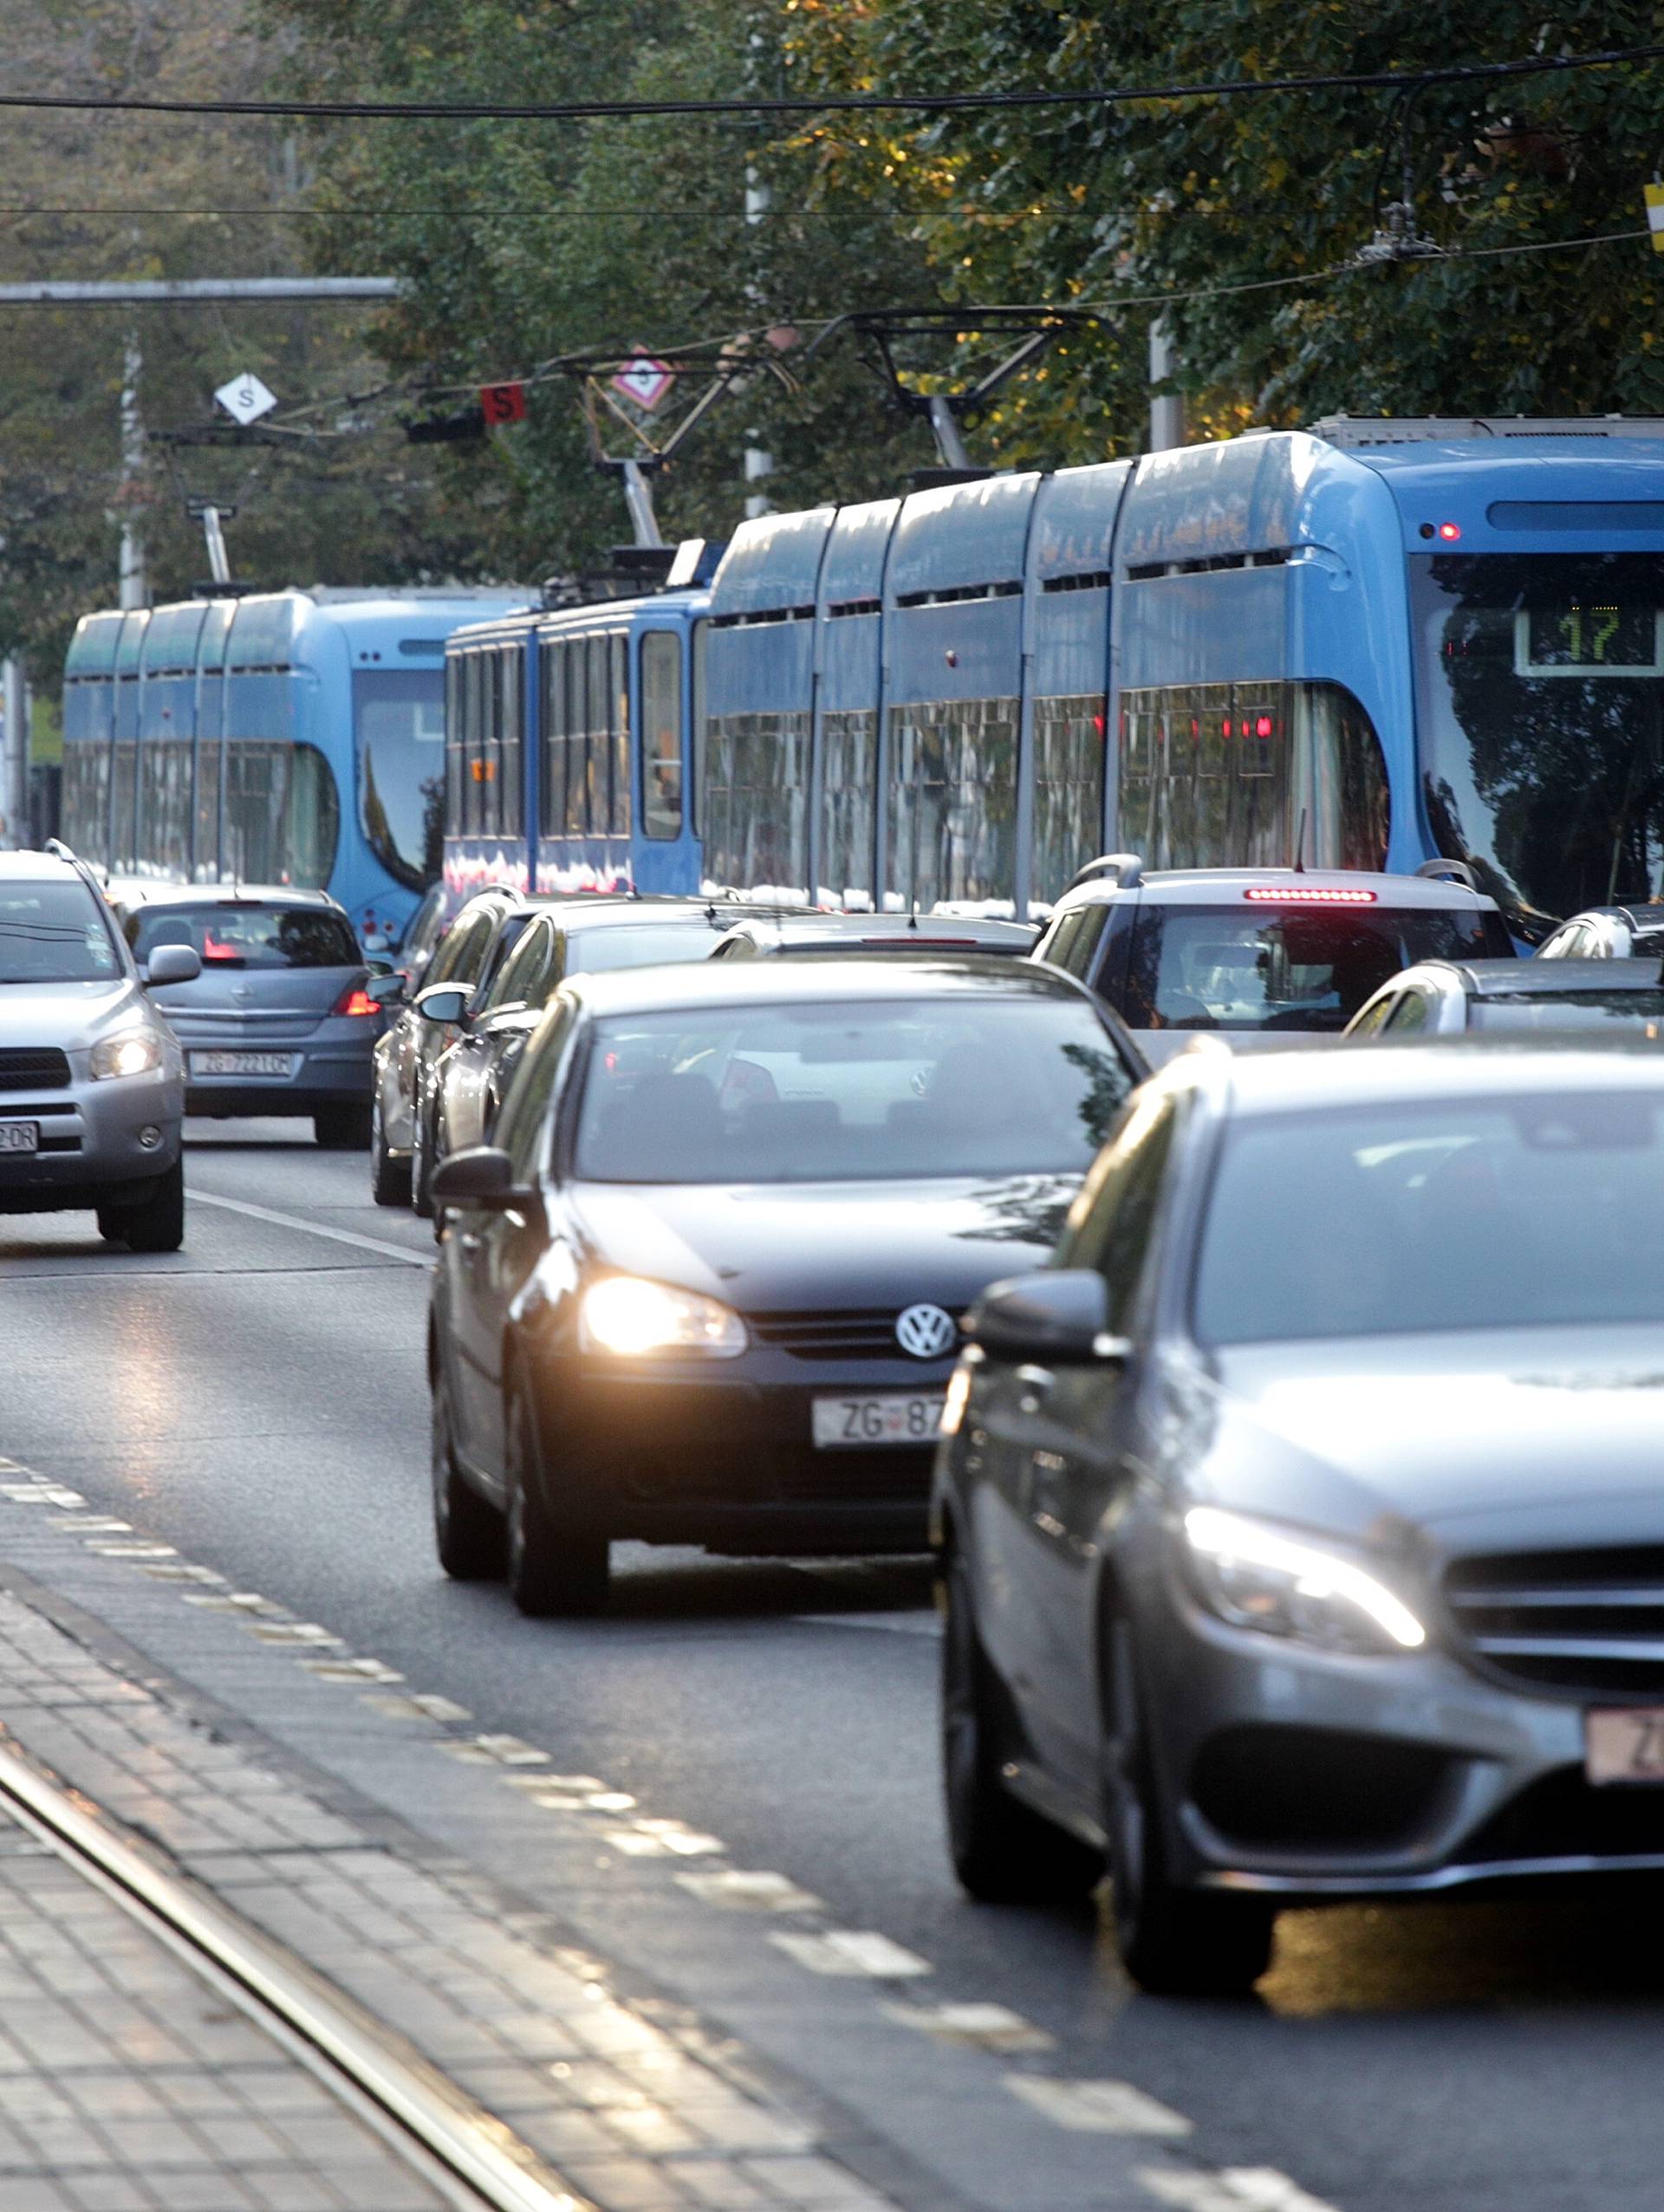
(54, 933)
(1584, 1009)
(645, 945)
(251, 934)
(1300, 967)
(848, 1092)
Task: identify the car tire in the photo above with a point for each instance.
(555, 1569)
(155, 1225)
(467, 1531)
(421, 1169)
(342, 1128)
(1173, 1941)
(389, 1178)
(1002, 1852)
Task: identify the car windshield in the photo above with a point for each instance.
(53, 933)
(1542, 688)
(1584, 1009)
(1267, 966)
(248, 934)
(848, 1092)
(1475, 1213)
(639, 945)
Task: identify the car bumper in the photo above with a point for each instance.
(324, 1071)
(1300, 1774)
(94, 1147)
(725, 1456)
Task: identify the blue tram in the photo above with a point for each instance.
(1365, 646)
(569, 742)
(287, 737)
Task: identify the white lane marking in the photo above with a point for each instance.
(664, 1839)
(1097, 2107)
(744, 1891)
(350, 1669)
(1234, 2188)
(196, 1197)
(990, 2027)
(850, 1950)
(421, 1705)
(918, 1623)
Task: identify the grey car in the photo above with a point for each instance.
(91, 1082)
(1459, 998)
(860, 935)
(1300, 1527)
(278, 1020)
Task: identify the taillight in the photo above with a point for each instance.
(356, 999)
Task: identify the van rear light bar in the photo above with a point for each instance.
(1263, 895)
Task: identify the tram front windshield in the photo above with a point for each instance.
(399, 716)
(1541, 681)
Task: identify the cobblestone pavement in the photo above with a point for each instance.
(126, 2082)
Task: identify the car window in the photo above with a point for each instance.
(1540, 1210)
(54, 933)
(639, 945)
(1412, 1010)
(1054, 947)
(835, 1091)
(1114, 1219)
(515, 982)
(522, 1124)
(459, 955)
(1083, 951)
(1376, 1018)
(247, 934)
(1641, 1011)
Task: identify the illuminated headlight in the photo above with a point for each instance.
(1255, 1577)
(134, 1056)
(629, 1317)
(958, 1394)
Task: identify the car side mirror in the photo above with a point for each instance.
(385, 991)
(172, 963)
(480, 1176)
(1058, 1318)
(446, 1003)
(378, 963)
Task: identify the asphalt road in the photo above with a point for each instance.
(258, 1400)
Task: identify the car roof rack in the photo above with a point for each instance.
(1449, 872)
(1122, 869)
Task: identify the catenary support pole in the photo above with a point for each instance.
(1166, 408)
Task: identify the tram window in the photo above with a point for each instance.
(87, 798)
(207, 863)
(552, 722)
(1223, 775)
(755, 808)
(511, 772)
(282, 818)
(619, 695)
(1068, 764)
(849, 801)
(453, 753)
(701, 633)
(661, 734)
(468, 820)
(123, 826)
(952, 801)
(575, 655)
(598, 751)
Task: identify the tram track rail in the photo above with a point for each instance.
(472, 2159)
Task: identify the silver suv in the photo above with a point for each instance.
(92, 1087)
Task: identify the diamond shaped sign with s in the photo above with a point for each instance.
(245, 398)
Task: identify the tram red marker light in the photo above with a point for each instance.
(1450, 531)
(356, 1000)
(1265, 895)
(1263, 727)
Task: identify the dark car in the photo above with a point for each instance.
(278, 1020)
(421, 939)
(588, 936)
(861, 935)
(705, 1291)
(1457, 998)
(1301, 1528)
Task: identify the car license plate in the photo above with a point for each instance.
(1625, 1745)
(242, 1063)
(886, 1417)
(20, 1136)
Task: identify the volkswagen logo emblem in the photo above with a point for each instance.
(925, 1332)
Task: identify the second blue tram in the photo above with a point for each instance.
(1366, 647)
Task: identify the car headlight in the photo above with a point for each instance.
(627, 1316)
(138, 1054)
(1255, 1577)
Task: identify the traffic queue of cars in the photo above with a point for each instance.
(1284, 1424)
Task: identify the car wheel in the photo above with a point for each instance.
(554, 1568)
(467, 1532)
(1173, 1941)
(1002, 1852)
(157, 1224)
(389, 1178)
(421, 1171)
(342, 1128)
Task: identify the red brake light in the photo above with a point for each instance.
(356, 1000)
(1317, 896)
(1450, 531)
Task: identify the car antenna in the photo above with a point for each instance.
(1300, 845)
(913, 913)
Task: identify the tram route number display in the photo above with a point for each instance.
(1579, 637)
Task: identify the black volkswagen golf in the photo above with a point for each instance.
(705, 1287)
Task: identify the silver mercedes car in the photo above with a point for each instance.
(92, 1085)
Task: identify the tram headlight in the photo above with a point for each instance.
(631, 1318)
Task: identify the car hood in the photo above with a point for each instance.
(827, 1246)
(1516, 1436)
(71, 1016)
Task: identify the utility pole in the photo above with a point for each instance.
(133, 585)
(1166, 408)
(759, 462)
(14, 754)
